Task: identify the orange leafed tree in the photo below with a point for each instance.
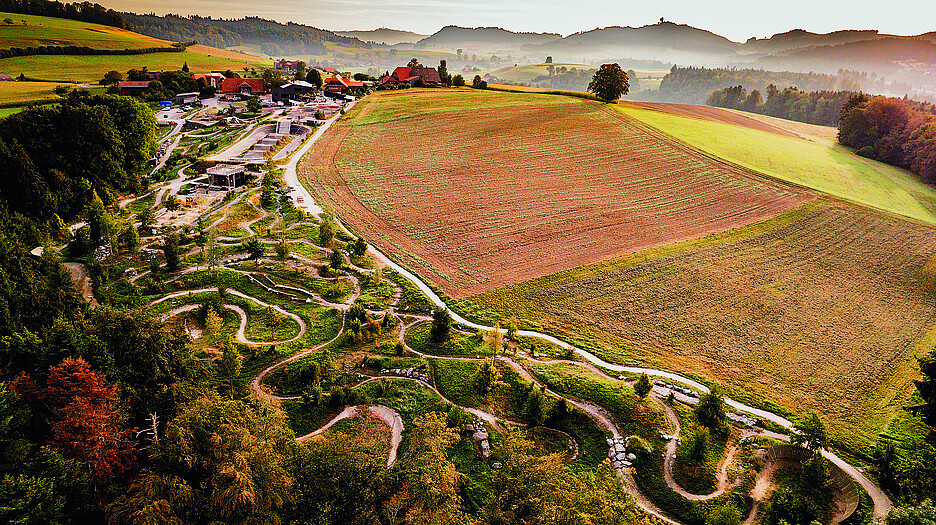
(84, 419)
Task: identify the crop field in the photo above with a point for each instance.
(820, 308)
(820, 164)
(478, 190)
(48, 31)
(21, 92)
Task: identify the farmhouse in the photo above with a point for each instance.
(132, 87)
(5, 78)
(411, 75)
(226, 176)
(292, 91)
(339, 84)
(244, 86)
(212, 79)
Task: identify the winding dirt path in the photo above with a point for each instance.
(387, 414)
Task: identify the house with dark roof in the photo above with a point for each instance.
(292, 91)
(243, 86)
(132, 87)
(411, 75)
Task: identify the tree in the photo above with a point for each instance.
(273, 78)
(549, 60)
(172, 203)
(496, 340)
(254, 248)
(710, 412)
(83, 418)
(443, 73)
(609, 83)
(253, 104)
(129, 239)
(147, 218)
(336, 260)
(434, 481)
(477, 83)
(926, 386)
(458, 81)
(810, 432)
(923, 514)
(185, 66)
(171, 251)
(359, 247)
(633, 83)
(441, 325)
(326, 232)
(487, 378)
(414, 62)
(314, 77)
(643, 387)
(814, 480)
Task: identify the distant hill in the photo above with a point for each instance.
(911, 58)
(383, 36)
(485, 39)
(666, 42)
(273, 38)
(798, 38)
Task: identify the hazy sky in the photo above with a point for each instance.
(731, 18)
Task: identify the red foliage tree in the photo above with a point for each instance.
(84, 419)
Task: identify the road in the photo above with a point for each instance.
(882, 503)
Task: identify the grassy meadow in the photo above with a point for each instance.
(48, 31)
(817, 163)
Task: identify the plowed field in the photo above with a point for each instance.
(478, 190)
(821, 308)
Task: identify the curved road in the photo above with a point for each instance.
(881, 502)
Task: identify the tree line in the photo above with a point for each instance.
(692, 85)
(815, 107)
(83, 50)
(900, 132)
(82, 11)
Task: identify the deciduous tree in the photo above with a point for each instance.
(609, 83)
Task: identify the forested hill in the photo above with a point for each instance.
(274, 39)
(485, 39)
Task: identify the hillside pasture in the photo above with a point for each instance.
(23, 92)
(818, 163)
(48, 31)
(477, 190)
(820, 308)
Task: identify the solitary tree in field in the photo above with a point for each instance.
(710, 412)
(441, 324)
(609, 83)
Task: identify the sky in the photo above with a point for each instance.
(735, 20)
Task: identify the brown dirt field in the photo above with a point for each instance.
(494, 194)
(820, 309)
(223, 53)
(714, 114)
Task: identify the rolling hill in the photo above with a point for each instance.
(383, 36)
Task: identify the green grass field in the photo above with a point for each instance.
(72, 68)
(48, 31)
(819, 164)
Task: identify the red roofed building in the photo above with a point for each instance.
(287, 66)
(339, 84)
(132, 87)
(212, 79)
(411, 75)
(5, 78)
(243, 86)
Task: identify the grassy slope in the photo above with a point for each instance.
(819, 163)
(48, 31)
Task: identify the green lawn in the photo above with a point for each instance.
(819, 164)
